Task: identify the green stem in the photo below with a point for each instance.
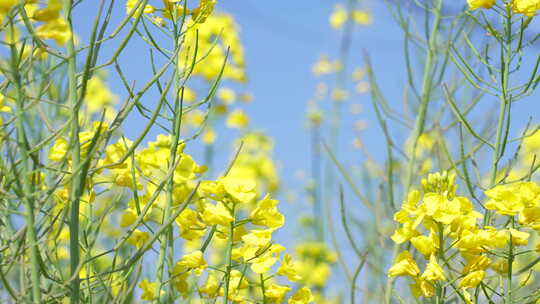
(425, 96)
(229, 258)
(77, 184)
(263, 289)
(27, 183)
(167, 238)
(510, 261)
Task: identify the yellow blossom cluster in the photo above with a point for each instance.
(445, 232)
(172, 9)
(528, 8)
(228, 215)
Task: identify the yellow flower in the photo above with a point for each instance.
(275, 293)
(289, 269)
(267, 214)
(5, 7)
(217, 214)
(422, 288)
(258, 238)
(209, 136)
(138, 238)
(478, 262)
(52, 11)
(434, 271)
(131, 4)
(263, 263)
(98, 95)
(472, 279)
(241, 190)
(213, 38)
(190, 226)
(129, 216)
(530, 217)
(404, 233)
(192, 261)
(58, 150)
(211, 287)
(519, 238)
(404, 265)
(475, 4)
(513, 198)
(526, 7)
(339, 94)
(4, 108)
(338, 17)
(56, 29)
(226, 95)
(361, 17)
(324, 66)
(149, 290)
(302, 296)
(425, 245)
(205, 9)
(237, 119)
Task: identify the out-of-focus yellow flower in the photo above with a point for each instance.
(189, 224)
(131, 4)
(519, 238)
(128, 217)
(241, 190)
(237, 119)
(513, 198)
(526, 7)
(51, 12)
(149, 290)
(138, 238)
(338, 16)
(531, 147)
(3, 107)
(226, 95)
(169, 7)
(246, 97)
(216, 214)
(362, 17)
(275, 293)
(98, 95)
(324, 66)
(56, 29)
(205, 9)
(289, 269)
(258, 238)
(192, 261)
(209, 136)
(339, 94)
(211, 287)
(217, 35)
(475, 4)
(5, 7)
(302, 296)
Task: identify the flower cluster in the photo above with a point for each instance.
(528, 8)
(444, 230)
